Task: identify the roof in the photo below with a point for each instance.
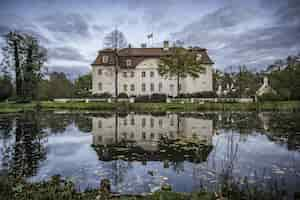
(139, 54)
(144, 52)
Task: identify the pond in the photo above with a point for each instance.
(138, 152)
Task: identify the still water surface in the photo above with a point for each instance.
(264, 147)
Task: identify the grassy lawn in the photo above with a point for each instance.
(153, 107)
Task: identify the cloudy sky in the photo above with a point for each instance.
(235, 32)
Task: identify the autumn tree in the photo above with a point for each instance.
(180, 63)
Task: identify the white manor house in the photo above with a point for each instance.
(136, 72)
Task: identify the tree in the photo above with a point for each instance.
(247, 82)
(83, 85)
(14, 56)
(286, 82)
(60, 86)
(6, 88)
(180, 63)
(35, 58)
(115, 40)
(5, 84)
(26, 57)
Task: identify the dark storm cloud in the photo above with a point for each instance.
(66, 53)
(12, 22)
(289, 12)
(241, 35)
(66, 24)
(234, 32)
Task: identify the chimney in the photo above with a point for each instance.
(143, 45)
(166, 45)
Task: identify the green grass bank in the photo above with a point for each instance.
(151, 107)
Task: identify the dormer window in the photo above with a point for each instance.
(128, 62)
(199, 57)
(105, 59)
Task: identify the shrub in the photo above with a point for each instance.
(122, 95)
(269, 97)
(142, 99)
(184, 95)
(6, 89)
(102, 95)
(158, 97)
(204, 94)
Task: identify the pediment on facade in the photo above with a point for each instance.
(148, 63)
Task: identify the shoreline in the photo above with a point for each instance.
(11, 107)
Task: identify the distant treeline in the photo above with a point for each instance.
(23, 76)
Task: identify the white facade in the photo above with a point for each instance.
(144, 79)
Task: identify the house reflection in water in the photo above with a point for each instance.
(147, 130)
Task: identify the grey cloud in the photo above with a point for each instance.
(119, 20)
(289, 13)
(66, 53)
(167, 25)
(100, 28)
(230, 41)
(11, 22)
(66, 24)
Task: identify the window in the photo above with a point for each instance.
(144, 135)
(143, 122)
(124, 74)
(105, 59)
(100, 86)
(132, 136)
(125, 122)
(151, 74)
(160, 87)
(128, 63)
(160, 123)
(172, 122)
(132, 74)
(132, 121)
(199, 57)
(132, 88)
(143, 74)
(125, 87)
(152, 122)
(99, 124)
(152, 87)
(100, 138)
(152, 136)
(143, 87)
(99, 71)
(171, 87)
(171, 134)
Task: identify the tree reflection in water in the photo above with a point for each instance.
(28, 150)
(128, 143)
